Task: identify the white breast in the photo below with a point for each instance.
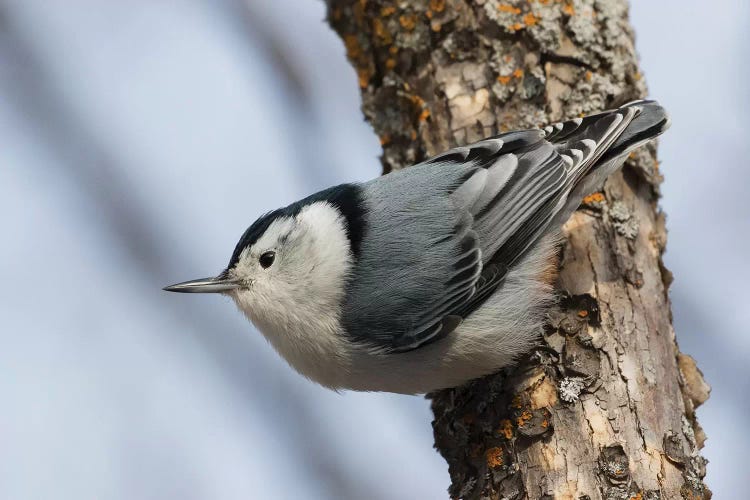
(300, 315)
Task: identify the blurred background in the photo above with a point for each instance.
(137, 141)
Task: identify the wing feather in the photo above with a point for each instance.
(501, 195)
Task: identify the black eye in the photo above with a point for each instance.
(266, 259)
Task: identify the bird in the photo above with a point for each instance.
(428, 277)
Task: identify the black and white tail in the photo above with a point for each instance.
(603, 141)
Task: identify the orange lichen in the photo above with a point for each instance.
(504, 79)
(583, 313)
(530, 19)
(419, 103)
(358, 59)
(506, 429)
(516, 403)
(381, 31)
(385, 139)
(523, 418)
(437, 5)
(390, 63)
(593, 198)
(569, 9)
(589, 76)
(504, 7)
(413, 135)
(515, 27)
(352, 46)
(387, 11)
(392, 50)
(518, 73)
(408, 21)
(637, 496)
(436, 26)
(689, 494)
(363, 77)
(494, 457)
(638, 76)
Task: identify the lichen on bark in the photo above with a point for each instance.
(604, 408)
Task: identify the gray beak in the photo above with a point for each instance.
(219, 284)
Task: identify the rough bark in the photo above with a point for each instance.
(605, 407)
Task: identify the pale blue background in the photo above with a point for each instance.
(138, 139)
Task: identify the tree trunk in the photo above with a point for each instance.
(605, 407)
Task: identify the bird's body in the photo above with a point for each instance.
(431, 276)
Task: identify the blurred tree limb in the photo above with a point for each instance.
(80, 150)
(605, 407)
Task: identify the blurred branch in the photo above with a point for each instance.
(243, 15)
(82, 154)
(248, 19)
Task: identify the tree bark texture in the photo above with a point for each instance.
(604, 408)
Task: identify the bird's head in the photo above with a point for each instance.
(290, 264)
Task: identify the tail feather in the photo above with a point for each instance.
(641, 121)
(651, 121)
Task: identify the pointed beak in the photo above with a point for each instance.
(219, 284)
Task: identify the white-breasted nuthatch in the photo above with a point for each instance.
(431, 276)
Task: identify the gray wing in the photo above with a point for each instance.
(441, 235)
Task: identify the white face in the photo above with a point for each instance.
(296, 271)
